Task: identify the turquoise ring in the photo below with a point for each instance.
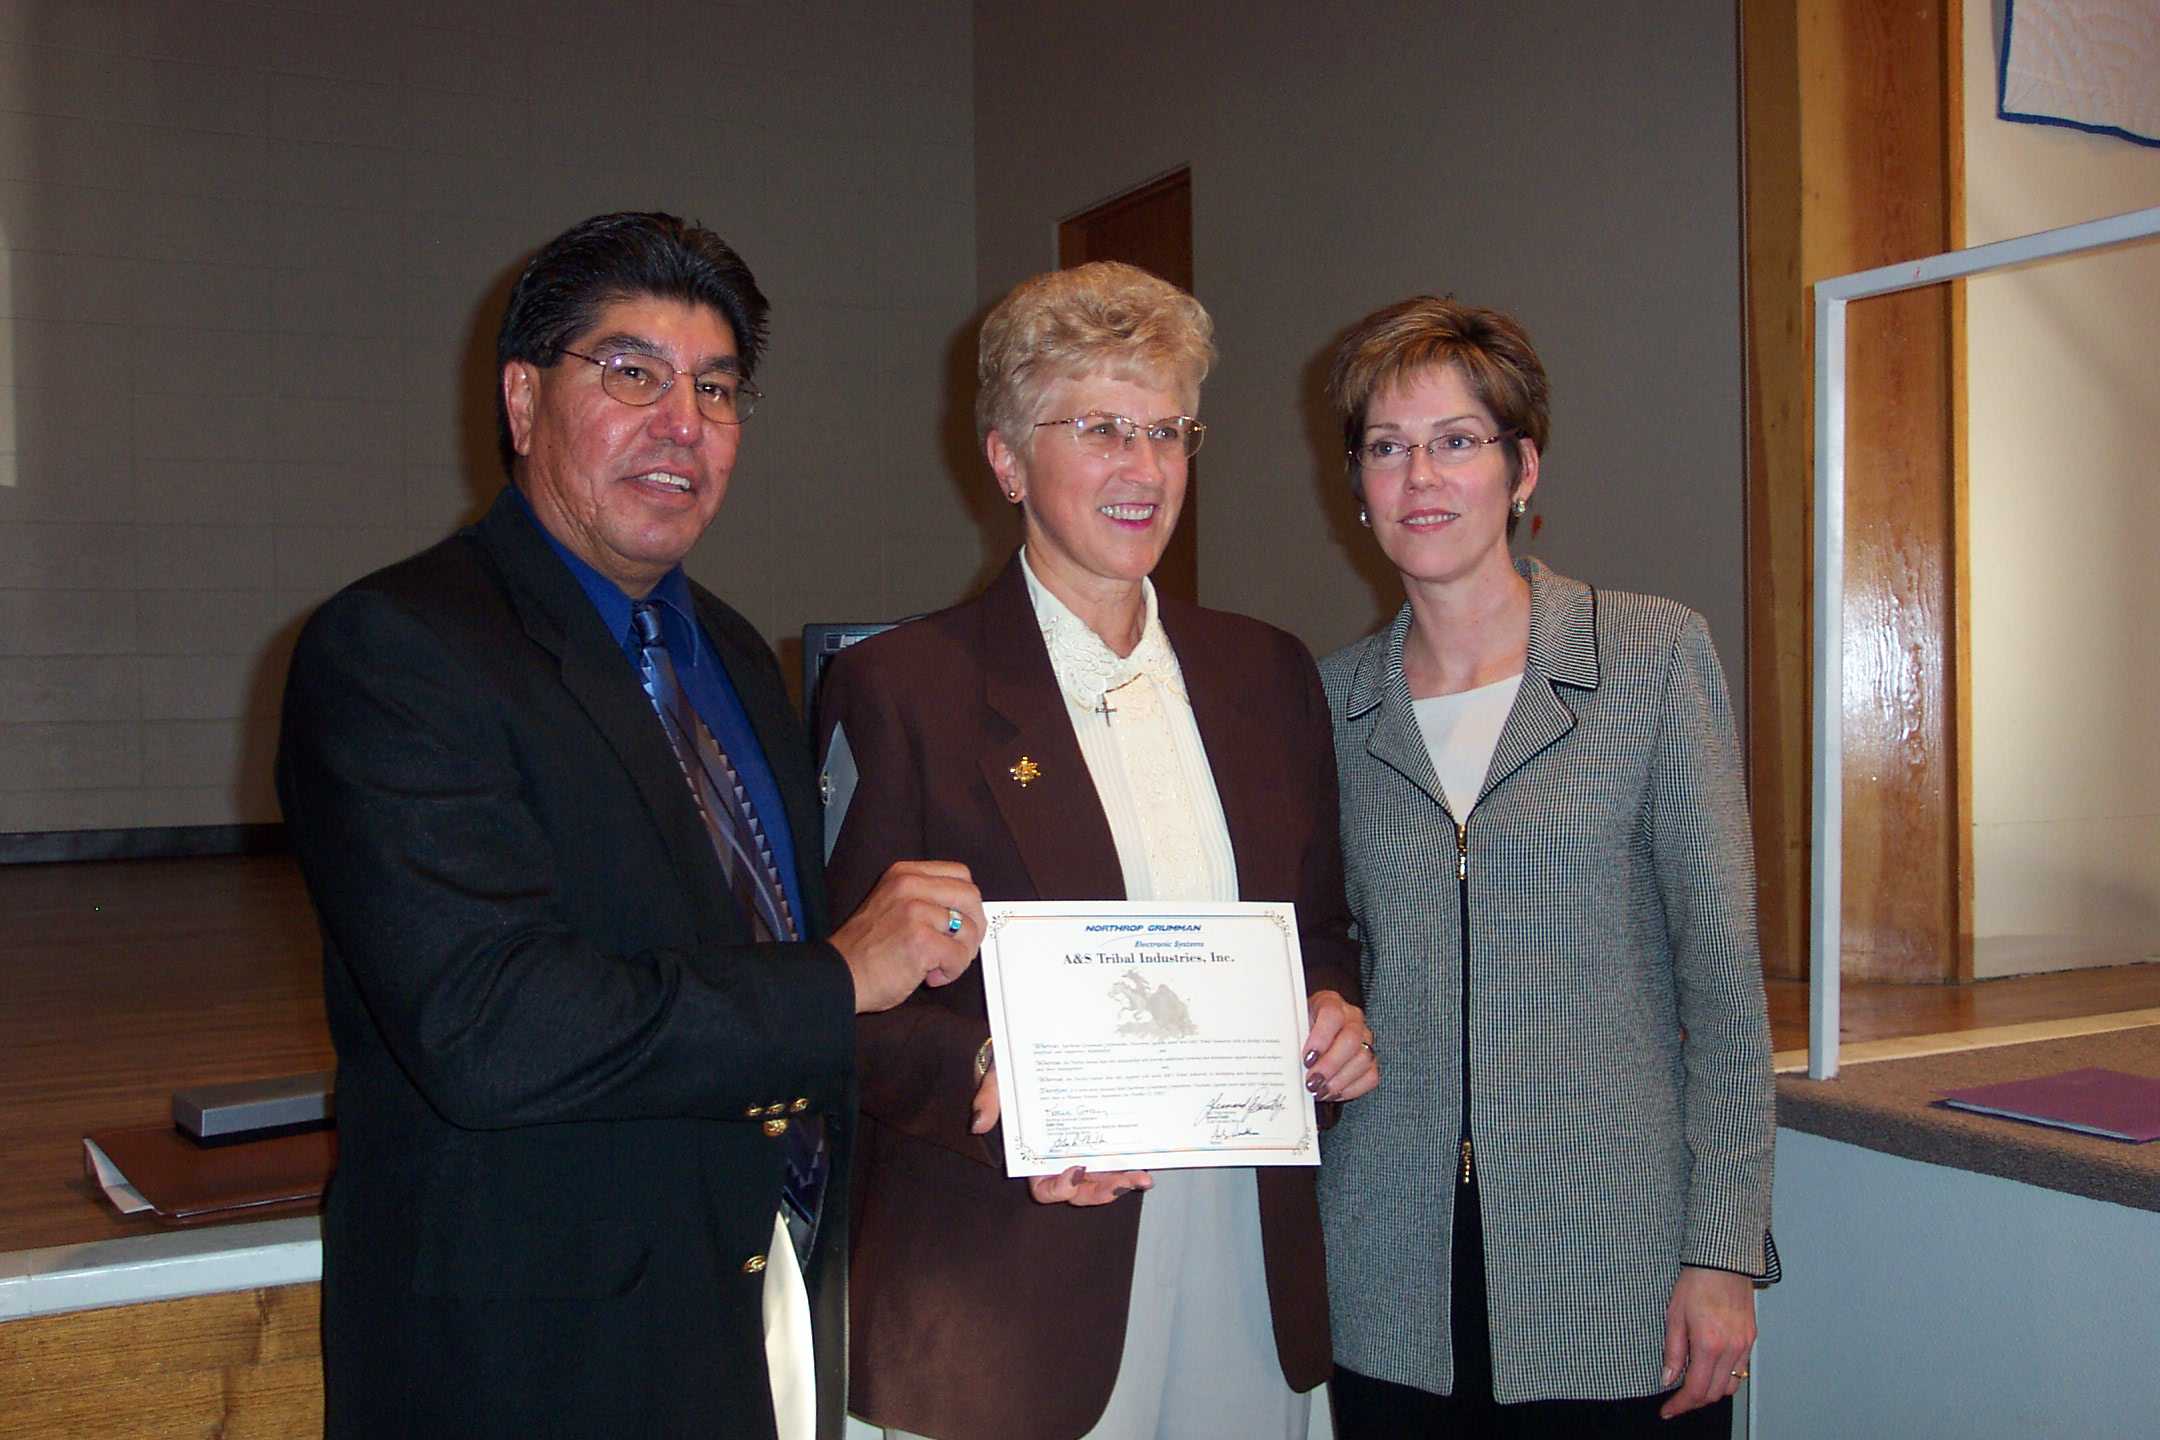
(952, 922)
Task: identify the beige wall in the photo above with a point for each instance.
(2065, 529)
(271, 239)
(1575, 164)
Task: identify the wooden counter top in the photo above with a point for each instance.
(1891, 1106)
(121, 982)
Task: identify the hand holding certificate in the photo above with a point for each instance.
(1144, 1036)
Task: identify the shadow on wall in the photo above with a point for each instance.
(997, 521)
(474, 377)
(478, 382)
(1332, 493)
(996, 524)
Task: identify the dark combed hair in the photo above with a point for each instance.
(608, 258)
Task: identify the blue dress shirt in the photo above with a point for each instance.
(705, 681)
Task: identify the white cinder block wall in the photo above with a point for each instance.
(275, 236)
(251, 259)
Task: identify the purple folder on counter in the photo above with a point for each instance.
(2112, 1103)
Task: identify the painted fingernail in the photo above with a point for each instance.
(1313, 1083)
(1311, 1057)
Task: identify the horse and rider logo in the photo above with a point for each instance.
(1150, 1011)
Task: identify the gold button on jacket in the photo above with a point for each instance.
(755, 1265)
(776, 1127)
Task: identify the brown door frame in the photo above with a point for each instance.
(1149, 226)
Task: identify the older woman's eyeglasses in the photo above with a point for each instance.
(1103, 435)
(723, 397)
(1448, 448)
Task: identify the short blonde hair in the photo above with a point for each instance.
(1094, 318)
(1431, 332)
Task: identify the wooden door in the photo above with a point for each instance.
(1150, 227)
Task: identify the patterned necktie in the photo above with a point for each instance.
(746, 856)
(722, 800)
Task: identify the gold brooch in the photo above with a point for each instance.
(1026, 771)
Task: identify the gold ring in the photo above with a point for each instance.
(1740, 1374)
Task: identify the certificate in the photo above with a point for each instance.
(1142, 1036)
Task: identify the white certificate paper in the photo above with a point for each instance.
(1142, 1036)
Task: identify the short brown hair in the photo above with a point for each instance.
(1094, 317)
(1429, 332)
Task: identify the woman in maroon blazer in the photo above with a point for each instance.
(1069, 734)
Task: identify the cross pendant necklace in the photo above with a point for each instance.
(1103, 707)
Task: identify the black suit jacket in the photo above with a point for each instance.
(558, 1051)
(977, 1313)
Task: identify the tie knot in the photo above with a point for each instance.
(645, 623)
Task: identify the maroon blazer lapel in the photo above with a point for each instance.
(1031, 760)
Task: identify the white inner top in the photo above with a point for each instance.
(1145, 756)
(1460, 733)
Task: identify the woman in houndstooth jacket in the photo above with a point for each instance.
(1548, 861)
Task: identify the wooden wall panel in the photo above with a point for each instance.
(240, 1366)
(1779, 534)
(1850, 116)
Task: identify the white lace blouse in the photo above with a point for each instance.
(1144, 755)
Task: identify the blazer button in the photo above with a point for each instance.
(755, 1265)
(799, 1106)
(753, 1112)
(776, 1127)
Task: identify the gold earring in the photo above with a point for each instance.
(1520, 508)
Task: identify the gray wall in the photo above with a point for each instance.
(1575, 164)
(272, 240)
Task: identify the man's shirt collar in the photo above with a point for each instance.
(672, 594)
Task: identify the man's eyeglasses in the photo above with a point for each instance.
(723, 397)
(1447, 449)
(1103, 435)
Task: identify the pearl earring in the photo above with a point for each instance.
(1363, 518)
(1520, 508)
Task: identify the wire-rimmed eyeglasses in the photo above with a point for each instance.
(1103, 434)
(1448, 448)
(723, 396)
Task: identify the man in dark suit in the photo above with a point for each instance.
(595, 1049)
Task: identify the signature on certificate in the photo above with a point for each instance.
(1229, 1113)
